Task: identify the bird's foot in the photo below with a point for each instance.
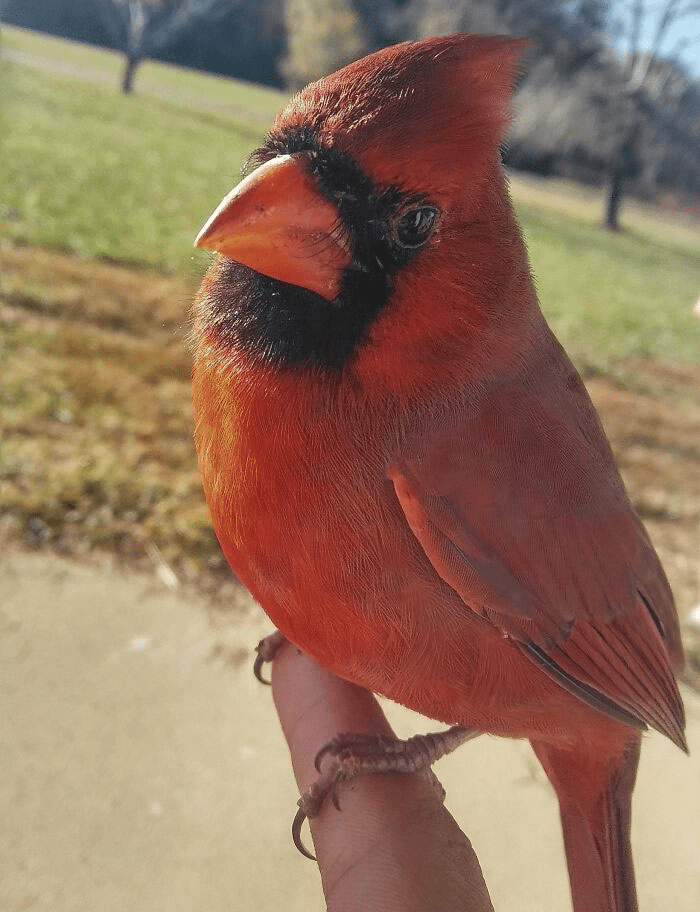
(354, 754)
(266, 650)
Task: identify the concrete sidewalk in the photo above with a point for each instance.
(142, 772)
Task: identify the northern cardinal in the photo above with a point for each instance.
(400, 461)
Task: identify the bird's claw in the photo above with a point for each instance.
(355, 754)
(311, 802)
(266, 650)
(297, 824)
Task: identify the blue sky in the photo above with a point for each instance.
(690, 27)
(687, 27)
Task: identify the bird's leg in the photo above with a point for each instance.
(354, 754)
(266, 651)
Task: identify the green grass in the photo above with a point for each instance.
(612, 297)
(129, 179)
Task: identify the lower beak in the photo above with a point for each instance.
(277, 223)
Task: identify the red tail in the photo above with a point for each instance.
(595, 805)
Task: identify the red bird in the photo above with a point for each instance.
(400, 461)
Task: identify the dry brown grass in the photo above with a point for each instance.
(97, 429)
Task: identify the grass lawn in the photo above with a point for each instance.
(86, 170)
(100, 198)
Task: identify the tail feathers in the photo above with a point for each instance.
(597, 833)
(599, 857)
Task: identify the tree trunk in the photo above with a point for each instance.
(624, 166)
(614, 191)
(129, 71)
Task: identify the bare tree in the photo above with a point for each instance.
(517, 17)
(142, 28)
(649, 92)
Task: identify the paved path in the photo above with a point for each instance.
(145, 86)
(141, 772)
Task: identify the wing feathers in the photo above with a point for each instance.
(474, 571)
(601, 642)
(589, 695)
(626, 661)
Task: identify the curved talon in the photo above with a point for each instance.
(266, 651)
(257, 669)
(327, 748)
(334, 794)
(297, 824)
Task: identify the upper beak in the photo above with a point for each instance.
(277, 223)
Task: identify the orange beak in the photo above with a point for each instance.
(277, 223)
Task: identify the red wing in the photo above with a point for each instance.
(538, 536)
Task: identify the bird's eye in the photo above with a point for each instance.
(416, 226)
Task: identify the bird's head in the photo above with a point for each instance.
(378, 189)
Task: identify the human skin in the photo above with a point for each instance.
(392, 845)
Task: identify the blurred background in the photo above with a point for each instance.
(141, 765)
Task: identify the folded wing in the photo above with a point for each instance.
(518, 504)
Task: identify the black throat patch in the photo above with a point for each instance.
(286, 325)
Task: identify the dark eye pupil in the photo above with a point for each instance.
(416, 227)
